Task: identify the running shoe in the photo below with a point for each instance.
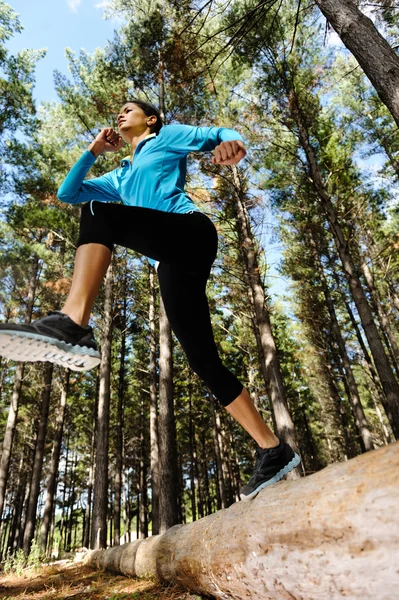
(271, 466)
(54, 338)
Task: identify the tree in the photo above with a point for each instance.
(210, 561)
(17, 109)
(374, 54)
(100, 488)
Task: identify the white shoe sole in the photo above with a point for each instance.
(291, 465)
(30, 347)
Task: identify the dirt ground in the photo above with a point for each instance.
(74, 580)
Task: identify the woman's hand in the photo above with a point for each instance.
(229, 153)
(108, 140)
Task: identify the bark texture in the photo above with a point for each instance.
(100, 490)
(373, 53)
(14, 406)
(153, 407)
(31, 512)
(54, 464)
(268, 354)
(331, 535)
(388, 381)
(168, 472)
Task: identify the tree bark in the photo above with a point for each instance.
(71, 504)
(167, 429)
(90, 483)
(332, 534)
(154, 444)
(55, 459)
(381, 361)
(354, 397)
(192, 452)
(220, 471)
(100, 490)
(30, 522)
(14, 406)
(373, 53)
(372, 373)
(268, 352)
(143, 511)
(382, 316)
(120, 423)
(18, 505)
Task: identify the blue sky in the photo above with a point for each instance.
(56, 25)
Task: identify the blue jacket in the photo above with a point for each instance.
(156, 177)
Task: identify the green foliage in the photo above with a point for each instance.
(17, 76)
(15, 564)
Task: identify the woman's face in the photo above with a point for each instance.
(133, 119)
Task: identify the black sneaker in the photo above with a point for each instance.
(271, 466)
(54, 338)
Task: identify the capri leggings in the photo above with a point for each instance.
(185, 246)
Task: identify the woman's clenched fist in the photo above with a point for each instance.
(229, 153)
(108, 140)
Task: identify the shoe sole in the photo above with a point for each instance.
(30, 347)
(289, 467)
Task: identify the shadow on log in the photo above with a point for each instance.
(332, 535)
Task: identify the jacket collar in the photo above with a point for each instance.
(128, 159)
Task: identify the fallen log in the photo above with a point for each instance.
(331, 535)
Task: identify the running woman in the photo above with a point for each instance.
(142, 205)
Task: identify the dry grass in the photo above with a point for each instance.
(78, 582)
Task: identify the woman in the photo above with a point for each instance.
(160, 221)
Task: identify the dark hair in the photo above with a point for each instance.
(149, 110)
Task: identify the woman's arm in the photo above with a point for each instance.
(185, 139)
(74, 190)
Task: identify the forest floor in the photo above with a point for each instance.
(68, 580)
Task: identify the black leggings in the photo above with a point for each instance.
(185, 246)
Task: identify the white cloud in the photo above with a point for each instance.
(73, 4)
(102, 4)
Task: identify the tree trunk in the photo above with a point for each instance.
(382, 316)
(167, 429)
(30, 522)
(55, 459)
(201, 481)
(18, 506)
(153, 409)
(373, 53)
(120, 422)
(372, 373)
(354, 397)
(100, 490)
(329, 535)
(192, 452)
(268, 352)
(381, 361)
(221, 488)
(71, 504)
(90, 483)
(9, 433)
(13, 412)
(21, 524)
(143, 511)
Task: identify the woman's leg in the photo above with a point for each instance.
(184, 296)
(186, 247)
(243, 410)
(91, 264)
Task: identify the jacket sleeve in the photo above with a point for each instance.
(74, 190)
(185, 139)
